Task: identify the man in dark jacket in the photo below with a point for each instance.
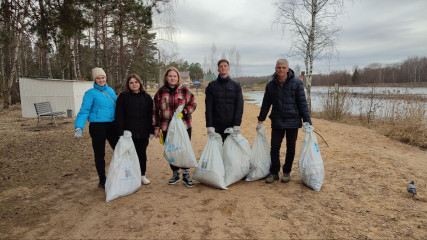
(286, 94)
(224, 102)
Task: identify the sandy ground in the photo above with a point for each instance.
(49, 190)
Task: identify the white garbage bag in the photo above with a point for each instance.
(210, 170)
(124, 174)
(310, 161)
(260, 157)
(178, 149)
(236, 155)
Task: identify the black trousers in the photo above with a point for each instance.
(276, 142)
(174, 168)
(220, 130)
(141, 151)
(100, 132)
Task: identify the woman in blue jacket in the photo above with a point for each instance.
(98, 107)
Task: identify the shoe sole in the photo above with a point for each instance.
(174, 182)
(145, 183)
(274, 179)
(190, 186)
(285, 181)
(271, 182)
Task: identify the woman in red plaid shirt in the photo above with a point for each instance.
(166, 101)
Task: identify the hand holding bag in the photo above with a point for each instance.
(178, 149)
(310, 161)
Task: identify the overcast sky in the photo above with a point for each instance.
(380, 31)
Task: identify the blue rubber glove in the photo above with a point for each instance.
(211, 131)
(236, 130)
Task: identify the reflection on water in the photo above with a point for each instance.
(358, 101)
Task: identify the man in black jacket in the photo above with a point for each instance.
(224, 102)
(286, 94)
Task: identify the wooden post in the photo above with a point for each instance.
(336, 99)
(304, 81)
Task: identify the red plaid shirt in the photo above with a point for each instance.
(165, 104)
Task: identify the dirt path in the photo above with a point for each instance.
(49, 190)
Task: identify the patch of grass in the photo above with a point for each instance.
(404, 121)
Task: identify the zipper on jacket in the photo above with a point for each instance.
(137, 113)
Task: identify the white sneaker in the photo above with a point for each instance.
(144, 180)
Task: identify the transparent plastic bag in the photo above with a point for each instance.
(310, 161)
(178, 149)
(260, 157)
(124, 174)
(210, 170)
(236, 155)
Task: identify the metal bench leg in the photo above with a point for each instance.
(38, 120)
(52, 120)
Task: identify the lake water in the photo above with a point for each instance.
(358, 101)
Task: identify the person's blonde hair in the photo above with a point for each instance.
(165, 81)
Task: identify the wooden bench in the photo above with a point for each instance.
(43, 109)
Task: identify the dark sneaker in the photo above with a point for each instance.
(175, 178)
(271, 178)
(286, 177)
(187, 180)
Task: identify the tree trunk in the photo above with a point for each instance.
(122, 49)
(9, 79)
(104, 42)
(73, 59)
(40, 61)
(76, 47)
(95, 36)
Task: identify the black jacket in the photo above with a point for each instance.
(224, 103)
(289, 103)
(134, 113)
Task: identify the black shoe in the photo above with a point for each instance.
(101, 185)
(175, 178)
(187, 180)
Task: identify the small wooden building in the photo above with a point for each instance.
(63, 95)
(185, 76)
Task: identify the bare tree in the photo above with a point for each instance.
(297, 70)
(234, 59)
(237, 65)
(213, 58)
(13, 17)
(164, 24)
(311, 27)
(205, 65)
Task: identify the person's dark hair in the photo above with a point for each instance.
(223, 60)
(138, 79)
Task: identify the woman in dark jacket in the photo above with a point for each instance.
(134, 109)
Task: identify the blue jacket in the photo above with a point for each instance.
(96, 106)
(288, 101)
